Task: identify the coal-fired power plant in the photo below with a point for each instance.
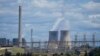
(53, 39)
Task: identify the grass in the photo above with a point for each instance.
(13, 50)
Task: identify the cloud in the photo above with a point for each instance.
(7, 8)
(43, 4)
(74, 16)
(86, 25)
(91, 24)
(42, 14)
(20, 2)
(5, 1)
(51, 5)
(95, 18)
(11, 12)
(92, 5)
(37, 26)
(98, 1)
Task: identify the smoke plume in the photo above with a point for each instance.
(61, 24)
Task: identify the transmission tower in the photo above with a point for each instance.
(93, 39)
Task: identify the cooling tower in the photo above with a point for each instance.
(53, 38)
(64, 39)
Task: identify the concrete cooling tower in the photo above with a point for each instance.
(64, 39)
(53, 38)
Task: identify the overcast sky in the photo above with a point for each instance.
(82, 16)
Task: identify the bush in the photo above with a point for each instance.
(72, 53)
(95, 52)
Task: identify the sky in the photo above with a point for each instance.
(82, 16)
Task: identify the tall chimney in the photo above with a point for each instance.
(20, 28)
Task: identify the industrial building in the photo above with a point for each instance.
(3, 41)
(15, 42)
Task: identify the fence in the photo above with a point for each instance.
(60, 46)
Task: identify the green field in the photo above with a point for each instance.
(13, 50)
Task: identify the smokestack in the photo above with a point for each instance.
(20, 28)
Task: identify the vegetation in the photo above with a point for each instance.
(95, 52)
(2, 51)
(20, 52)
(13, 50)
(72, 53)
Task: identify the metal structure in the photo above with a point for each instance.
(93, 38)
(42, 47)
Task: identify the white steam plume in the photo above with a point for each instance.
(55, 26)
(61, 24)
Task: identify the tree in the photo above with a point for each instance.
(95, 52)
